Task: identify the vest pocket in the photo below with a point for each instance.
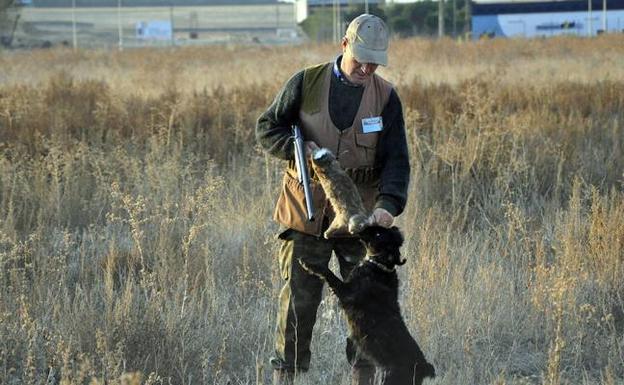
(368, 144)
(290, 209)
(366, 140)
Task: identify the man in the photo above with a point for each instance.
(344, 106)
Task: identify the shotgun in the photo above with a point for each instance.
(302, 170)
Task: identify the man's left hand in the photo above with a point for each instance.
(382, 218)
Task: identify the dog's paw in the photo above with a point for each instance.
(304, 265)
(336, 231)
(308, 268)
(319, 271)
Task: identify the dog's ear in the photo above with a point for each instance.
(397, 236)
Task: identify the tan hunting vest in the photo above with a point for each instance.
(355, 150)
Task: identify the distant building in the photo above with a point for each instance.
(546, 18)
(139, 3)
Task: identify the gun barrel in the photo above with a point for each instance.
(302, 171)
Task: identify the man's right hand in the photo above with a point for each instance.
(382, 217)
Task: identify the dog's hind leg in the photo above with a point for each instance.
(335, 284)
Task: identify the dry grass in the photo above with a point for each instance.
(136, 244)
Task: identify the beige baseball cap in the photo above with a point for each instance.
(368, 39)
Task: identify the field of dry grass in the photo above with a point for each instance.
(136, 244)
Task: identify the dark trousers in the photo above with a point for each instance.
(301, 295)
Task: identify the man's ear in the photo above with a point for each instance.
(344, 42)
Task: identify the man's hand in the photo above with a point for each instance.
(310, 147)
(382, 218)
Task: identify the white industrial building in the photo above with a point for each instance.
(547, 18)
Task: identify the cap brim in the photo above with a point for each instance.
(364, 55)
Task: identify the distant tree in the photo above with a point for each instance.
(402, 26)
(5, 5)
(9, 16)
(421, 18)
(412, 19)
(354, 10)
(319, 24)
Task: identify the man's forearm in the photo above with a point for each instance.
(273, 129)
(276, 140)
(393, 159)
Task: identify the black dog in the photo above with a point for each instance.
(369, 298)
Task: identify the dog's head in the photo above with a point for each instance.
(384, 244)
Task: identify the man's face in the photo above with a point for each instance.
(354, 71)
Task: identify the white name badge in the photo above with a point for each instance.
(372, 124)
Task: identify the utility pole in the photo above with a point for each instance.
(440, 18)
(468, 19)
(74, 37)
(119, 28)
(339, 19)
(589, 17)
(454, 18)
(604, 16)
(365, 6)
(171, 23)
(334, 32)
